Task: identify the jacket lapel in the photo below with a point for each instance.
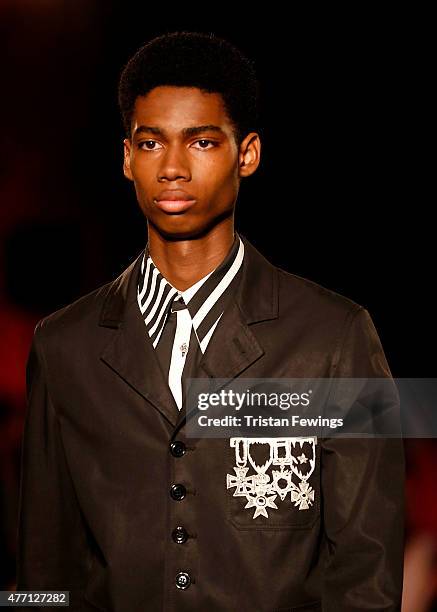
(233, 346)
(130, 352)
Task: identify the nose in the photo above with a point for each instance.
(174, 165)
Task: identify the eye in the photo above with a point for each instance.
(203, 140)
(147, 142)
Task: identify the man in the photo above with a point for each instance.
(118, 504)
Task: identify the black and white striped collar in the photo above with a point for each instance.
(205, 300)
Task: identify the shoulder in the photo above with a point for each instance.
(80, 319)
(315, 301)
(333, 321)
(297, 296)
(304, 307)
(74, 317)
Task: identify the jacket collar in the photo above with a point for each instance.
(233, 346)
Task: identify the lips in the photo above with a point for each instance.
(174, 201)
(174, 195)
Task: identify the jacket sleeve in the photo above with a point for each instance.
(52, 551)
(363, 490)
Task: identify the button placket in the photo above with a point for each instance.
(183, 554)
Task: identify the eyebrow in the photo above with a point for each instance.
(188, 131)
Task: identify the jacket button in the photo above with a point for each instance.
(183, 580)
(177, 448)
(179, 535)
(178, 491)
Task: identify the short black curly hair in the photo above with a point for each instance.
(194, 59)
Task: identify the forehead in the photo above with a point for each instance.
(174, 108)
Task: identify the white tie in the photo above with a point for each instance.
(181, 344)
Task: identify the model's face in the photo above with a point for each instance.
(204, 163)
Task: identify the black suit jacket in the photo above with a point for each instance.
(96, 515)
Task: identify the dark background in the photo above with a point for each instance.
(343, 194)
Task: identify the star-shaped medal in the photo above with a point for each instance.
(261, 503)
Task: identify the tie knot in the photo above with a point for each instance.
(178, 304)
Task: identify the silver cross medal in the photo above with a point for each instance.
(184, 349)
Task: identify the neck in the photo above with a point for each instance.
(184, 262)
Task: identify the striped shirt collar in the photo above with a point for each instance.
(205, 300)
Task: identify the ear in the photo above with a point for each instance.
(126, 162)
(250, 154)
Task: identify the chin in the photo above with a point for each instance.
(178, 228)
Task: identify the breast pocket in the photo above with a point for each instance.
(273, 483)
